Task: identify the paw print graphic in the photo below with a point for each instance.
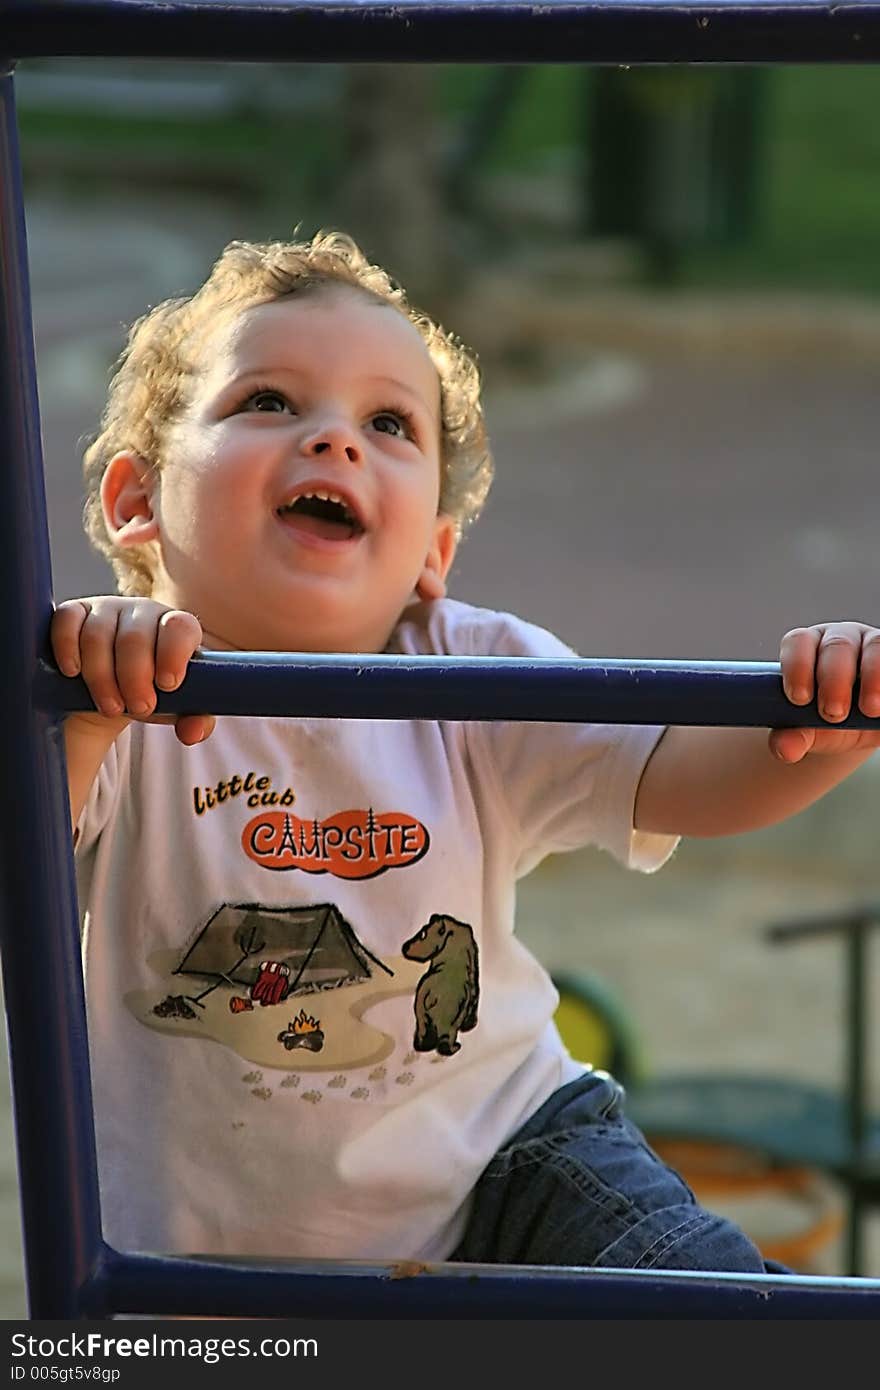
(252, 1078)
(336, 1081)
(406, 1078)
(377, 1074)
(261, 1092)
(312, 1096)
(291, 1080)
(359, 1093)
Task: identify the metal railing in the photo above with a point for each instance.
(71, 1272)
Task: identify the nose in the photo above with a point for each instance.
(335, 438)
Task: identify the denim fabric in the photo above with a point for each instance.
(578, 1185)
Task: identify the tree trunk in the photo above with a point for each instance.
(391, 199)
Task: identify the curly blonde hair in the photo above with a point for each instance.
(153, 377)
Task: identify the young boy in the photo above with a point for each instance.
(313, 1031)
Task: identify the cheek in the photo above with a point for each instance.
(189, 513)
(178, 495)
(418, 490)
(207, 489)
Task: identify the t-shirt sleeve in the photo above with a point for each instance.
(563, 786)
(102, 798)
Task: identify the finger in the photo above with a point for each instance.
(797, 656)
(178, 637)
(64, 631)
(791, 745)
(135, 657)
(869, 675)
(837, 664)
(838, 741)
(96, 646)
(194, 728)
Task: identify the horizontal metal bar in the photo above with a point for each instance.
(723, 693)
(159, 1286)
(440, 31)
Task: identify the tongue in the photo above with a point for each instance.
(322, 526)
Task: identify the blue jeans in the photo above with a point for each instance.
(578, 1185)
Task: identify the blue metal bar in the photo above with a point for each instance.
(723, 693)
(71, 1272)
(39, 922)
(335, 1289)
(440, 31)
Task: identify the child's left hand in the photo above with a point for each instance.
(826, 660)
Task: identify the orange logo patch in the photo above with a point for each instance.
(349, 844)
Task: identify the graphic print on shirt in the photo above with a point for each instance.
(290, 986)
(249, 957)
(348, 844)
(448, 994)
(282, 986)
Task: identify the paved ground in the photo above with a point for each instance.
(680, 485)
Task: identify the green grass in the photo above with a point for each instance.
(818, 224)
(248, 155)
(817, 169)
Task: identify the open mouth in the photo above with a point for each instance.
(322, 514)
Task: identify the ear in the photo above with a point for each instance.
(127, 500)
(431, 582)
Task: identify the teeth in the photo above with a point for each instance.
(322, 496)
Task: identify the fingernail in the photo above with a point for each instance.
(799, 694)
(111, 707)
(69, 667)
(139, 709)
(833, 712)
(167, 680)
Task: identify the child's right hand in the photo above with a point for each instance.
(125, 648)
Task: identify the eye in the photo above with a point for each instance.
(267, 402)
(394, 423)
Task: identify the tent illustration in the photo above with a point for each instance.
(316, 943)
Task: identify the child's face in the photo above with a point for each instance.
(297, 508)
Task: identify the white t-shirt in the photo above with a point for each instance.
(311, 1024)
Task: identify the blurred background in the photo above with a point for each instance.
(671, 277)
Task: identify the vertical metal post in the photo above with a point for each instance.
(39, 924)
(856, 1030)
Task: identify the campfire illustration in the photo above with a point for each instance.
(174, 1006)
(303, 1031)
